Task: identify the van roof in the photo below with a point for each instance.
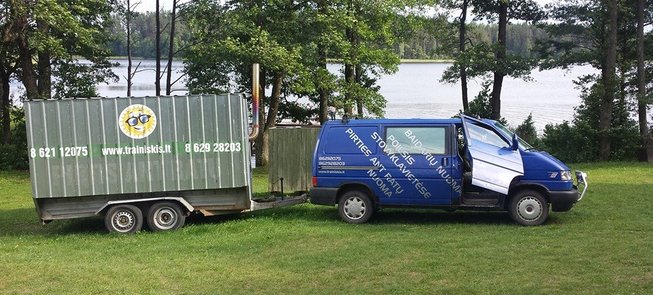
(394, 121)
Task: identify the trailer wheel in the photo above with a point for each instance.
(165, 216)
(528, 207)
(355, 207)
(124, 219)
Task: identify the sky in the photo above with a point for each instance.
(150, 5)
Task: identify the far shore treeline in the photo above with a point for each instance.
(43, 42)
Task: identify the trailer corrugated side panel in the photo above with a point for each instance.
(77, 147)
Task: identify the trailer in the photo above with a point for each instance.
(152, 160)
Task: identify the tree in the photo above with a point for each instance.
(126, 12)
(482, 58)
(504, 11)
(642, 104)
(462, 33)
(367, 53)
(7, 71)
(171, 53)
(157, 77)
(292, 41)
(591, 32)
(232, 36)
(526, 131)
(55, 34)
(609, 80)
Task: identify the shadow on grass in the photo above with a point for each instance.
(19, 222)
(313, 213)
(24, 221)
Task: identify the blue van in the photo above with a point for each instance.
(459, 163)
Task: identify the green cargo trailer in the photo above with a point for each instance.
(137, 160)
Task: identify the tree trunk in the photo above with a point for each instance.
(350, 65)
(261, 150)
(273, 109)
(500, 59)
(28, 75)
(262, 156)
(5, 105)
(129, 49)
(44, 75)
(641, 75)
(462, 36)
(157, 82)
(171, 53)
(349, 82)
(609, 82)
(358, 80)
(321, 90)
(322, 66)
(44, 69)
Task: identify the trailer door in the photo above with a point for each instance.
(494, 163)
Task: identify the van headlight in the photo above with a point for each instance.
(565, 175)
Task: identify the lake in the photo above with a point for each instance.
(415, 91)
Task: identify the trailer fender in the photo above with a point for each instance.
(182, 201)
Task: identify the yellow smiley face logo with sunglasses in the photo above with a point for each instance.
(137, 121)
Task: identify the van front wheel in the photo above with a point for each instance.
(528, 207)
(355, 207)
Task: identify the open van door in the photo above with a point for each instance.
(495, 162)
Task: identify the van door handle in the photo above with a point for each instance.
(445, 161)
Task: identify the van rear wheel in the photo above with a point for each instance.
(355, 207)
(528, 207)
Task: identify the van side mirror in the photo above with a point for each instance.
(515, 142)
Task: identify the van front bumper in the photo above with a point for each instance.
(563, 200)
(323, 195)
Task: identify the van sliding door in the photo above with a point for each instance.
(494, 163)
(416, 162)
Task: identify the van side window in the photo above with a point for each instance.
(416, 140)
(485, 135)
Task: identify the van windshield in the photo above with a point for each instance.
(523, 145)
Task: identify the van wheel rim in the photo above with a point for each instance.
(165, 218)
(529, 208)
(123, 221)
(355, 208)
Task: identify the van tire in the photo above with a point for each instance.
(124, 219)
(164, 216)
(528, 207)
(355, 207)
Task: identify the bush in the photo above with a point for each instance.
(526, 131)
(579, 141)
(571, 143)
(13, 157)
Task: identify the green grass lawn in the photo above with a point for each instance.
(602, 246)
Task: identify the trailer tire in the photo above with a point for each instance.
(164, 216)
(355, 207)
(124, 219)
(528, 207)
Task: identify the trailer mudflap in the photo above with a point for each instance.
(277, 202)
